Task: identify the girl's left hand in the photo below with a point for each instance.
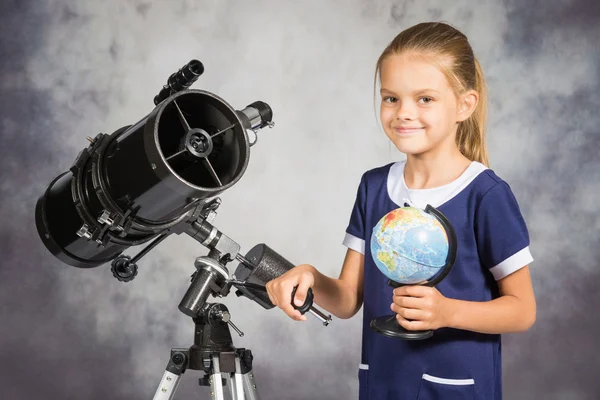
(420, 307)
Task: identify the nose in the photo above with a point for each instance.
(406, 112)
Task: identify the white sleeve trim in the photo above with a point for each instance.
(354, 243)
(363, 366)
(512, 264)
(445, 381)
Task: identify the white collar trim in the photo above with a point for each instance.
(399, 193)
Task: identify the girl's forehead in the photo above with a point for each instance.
(411, 72)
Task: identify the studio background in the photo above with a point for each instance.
(71, 69)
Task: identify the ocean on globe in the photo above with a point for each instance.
(409, 245)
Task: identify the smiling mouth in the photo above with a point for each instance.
(407, 131)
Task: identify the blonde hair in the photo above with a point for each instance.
(450, 50)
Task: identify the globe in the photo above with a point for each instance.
(409, 245)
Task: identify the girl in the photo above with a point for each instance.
(433, 109)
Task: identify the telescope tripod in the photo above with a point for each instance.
(213, 352)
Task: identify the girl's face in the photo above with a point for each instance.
(419, 111)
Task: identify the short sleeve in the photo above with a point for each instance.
(355, 233)
(501, 232)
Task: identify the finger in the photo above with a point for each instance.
(291, 311)
(276, 292)
(304, 284)
(412, 291)
(411, 313)
(294, 314)
(411, 325)
(274, 288)
(408, 302)
(401, 320)
(286, 306)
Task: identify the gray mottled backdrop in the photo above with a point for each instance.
(69, 69)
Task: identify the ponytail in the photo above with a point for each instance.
(470, 136)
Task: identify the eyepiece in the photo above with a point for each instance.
(196, 67)
(180, 80)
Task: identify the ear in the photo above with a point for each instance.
(466, 105)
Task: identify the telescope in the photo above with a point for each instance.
(159, 176)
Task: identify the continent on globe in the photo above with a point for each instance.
(387, 258)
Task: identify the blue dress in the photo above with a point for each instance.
(493, 242)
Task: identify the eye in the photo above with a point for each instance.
(389, 99)
(425, 100)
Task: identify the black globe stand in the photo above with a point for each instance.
(388, 325)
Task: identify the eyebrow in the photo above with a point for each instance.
(416, 92)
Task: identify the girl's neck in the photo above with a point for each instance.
(426, 171)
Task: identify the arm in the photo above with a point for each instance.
(513, 311)
(427, 308)
(342, 297)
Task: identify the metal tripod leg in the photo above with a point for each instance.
(170, 380)
(245, 383)
(167, 386)
(216, 384)
(235, 381)
(242, 385)
(250, 386)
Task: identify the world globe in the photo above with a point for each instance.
(409, 245)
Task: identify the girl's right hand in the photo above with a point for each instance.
(280, 289)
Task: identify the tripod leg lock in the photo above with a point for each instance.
(246, 357)
(175, 369)
(178, 362)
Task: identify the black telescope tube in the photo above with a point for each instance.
(129, 187)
